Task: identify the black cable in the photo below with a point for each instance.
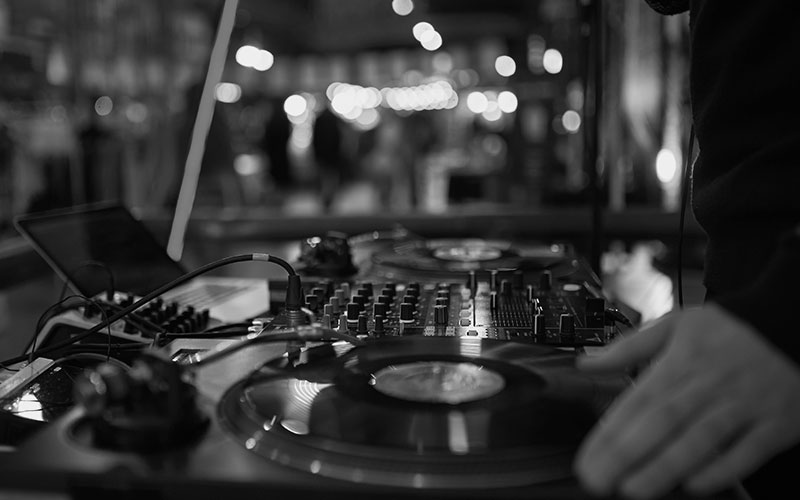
(31, 345)
(124, 347)
(687, 173)
(306, 333)
(220, 334)
(227, 326)
(86, 301)
(46, 314)
(280, 262)
(152, 295)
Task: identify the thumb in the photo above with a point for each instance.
(631, 350)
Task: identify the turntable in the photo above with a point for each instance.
(445, 258)
(401, 418)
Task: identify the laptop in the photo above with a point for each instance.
(117, 244)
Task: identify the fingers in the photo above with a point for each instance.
(694, 446)
(742, 458)
(631, 350)
(635, 428)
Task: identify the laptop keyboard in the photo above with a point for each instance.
(208, 295)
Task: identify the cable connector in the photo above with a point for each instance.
(294, 294)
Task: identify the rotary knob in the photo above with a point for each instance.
(380, 328)
(353, 310)
(407, 312)
(362, 324)
(380, 309)
(388, 290)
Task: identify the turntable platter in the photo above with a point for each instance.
(422, 413)
(443, 258)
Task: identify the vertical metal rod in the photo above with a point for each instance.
(591, 30)
(202, 124)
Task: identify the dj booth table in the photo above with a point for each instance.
(480, 460)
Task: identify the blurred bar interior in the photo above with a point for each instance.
(451, 118)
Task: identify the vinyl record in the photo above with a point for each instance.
(432, 412)
(444, 258)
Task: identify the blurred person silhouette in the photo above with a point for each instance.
(716, 401)
(389, 164)
(277, 132)
(326, 144)
(102, 154)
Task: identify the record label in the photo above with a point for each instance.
(438, 382)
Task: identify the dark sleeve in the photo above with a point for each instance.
(772, 302)
(669, 6)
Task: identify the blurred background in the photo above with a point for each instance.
(337, 106)
(532, 116)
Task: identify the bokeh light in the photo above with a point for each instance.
(507, 101)
(553, 61)
(103, 105)
(666, 166)
(505, 66)
(402, 7)
(420, 29)
(253, 57)
(571, 121)
(431, 40)
(477, 102)
(295, 105)
(228, 92)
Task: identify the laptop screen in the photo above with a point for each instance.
(85, 244)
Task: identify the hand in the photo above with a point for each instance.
(714, 403)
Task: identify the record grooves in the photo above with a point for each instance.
(518, 413)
